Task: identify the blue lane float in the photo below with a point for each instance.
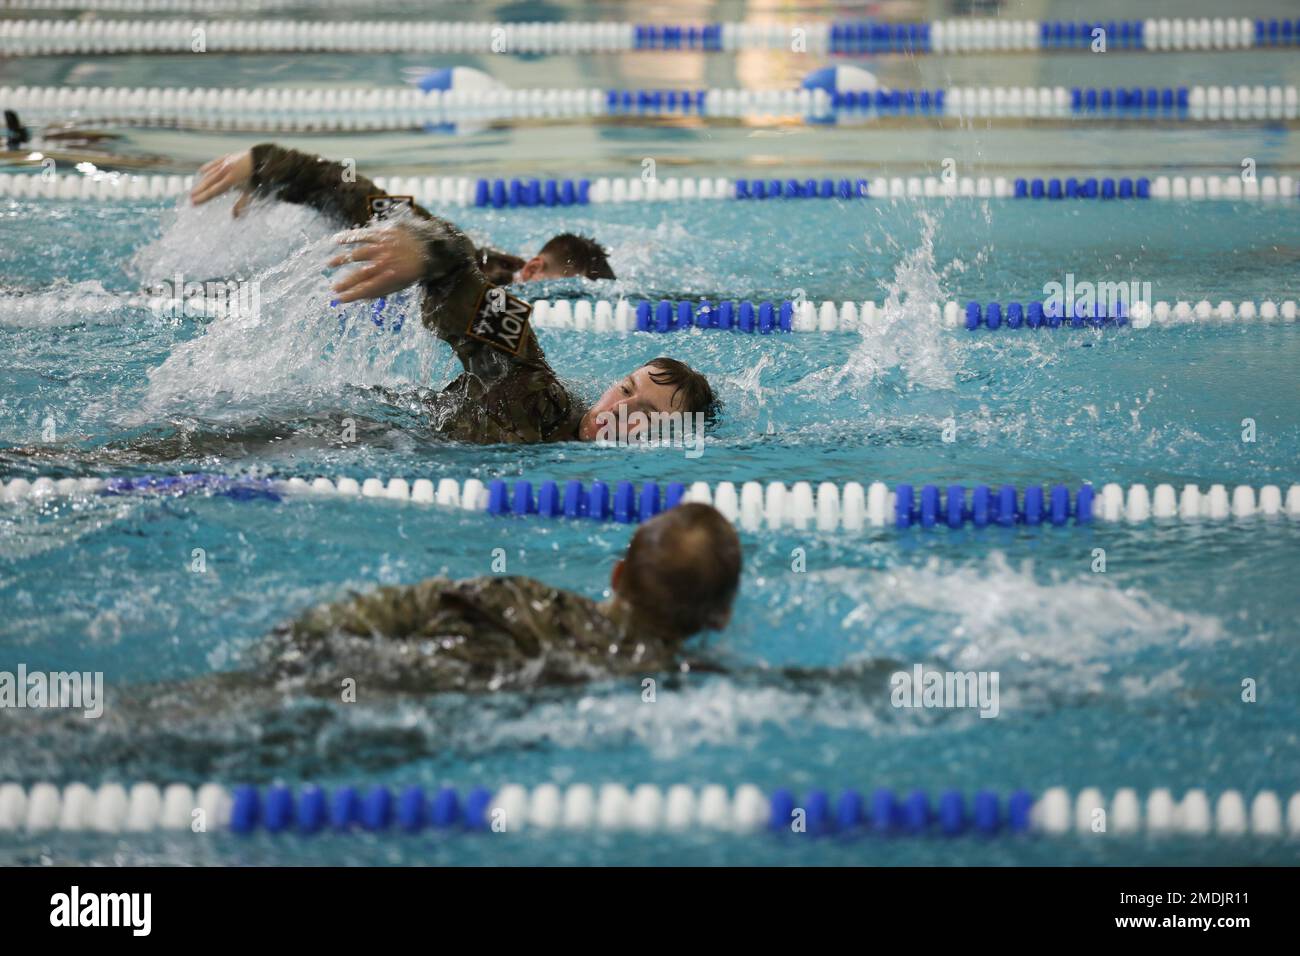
(659, 102)
(654, 36)
(801, 189)
(501, 193)
(1135, 100)
(953, 507)
(1036, 315)
(783, 813)
(890, 102)
(241, 489)
(1073, 187)
(763, 317)
(869, 37)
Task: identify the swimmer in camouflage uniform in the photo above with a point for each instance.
(452, 650)
(679, 576)
(508, 392)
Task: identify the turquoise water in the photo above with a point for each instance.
(1127, 678)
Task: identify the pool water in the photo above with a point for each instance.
(1131, 677)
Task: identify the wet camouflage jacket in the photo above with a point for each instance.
(482, 634)
(508, 392)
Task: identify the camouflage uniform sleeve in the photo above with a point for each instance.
(488, 345)
(387, 612)
(307, 180)
(487, 633)
(489, 329)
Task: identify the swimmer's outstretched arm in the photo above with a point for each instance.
(292, 176)
(332, 188)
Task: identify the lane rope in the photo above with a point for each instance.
(513, 808)
(392, 108)
(528, 192)
(850, 38)
(661, 316)
(753, 506)
(766, 317)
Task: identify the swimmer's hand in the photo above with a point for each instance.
(393, 257)
(221, 175)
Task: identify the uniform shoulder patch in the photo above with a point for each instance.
(500, 320)
(384, 206)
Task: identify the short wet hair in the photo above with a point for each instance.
(498, 267)
(581, 255)
(683, 567)
(695, 390)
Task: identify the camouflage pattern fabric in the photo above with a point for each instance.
(482, 634)
(508, 392)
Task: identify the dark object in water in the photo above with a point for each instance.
(16, 134)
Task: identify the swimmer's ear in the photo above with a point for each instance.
(616, 575)
(532, 269)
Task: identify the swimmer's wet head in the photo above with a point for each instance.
(568, 256)
(680, 574)
(637, 406)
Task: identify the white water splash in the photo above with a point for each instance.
(906, 338)
(294, 345)
(68, 304)
(1067, 634)
(203, 242)
(747, 386)
(717, 714)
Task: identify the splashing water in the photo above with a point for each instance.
(1001, 617)
(67, 304)
(748, 383)
(202, 242)
(905, 337)
(285, 343)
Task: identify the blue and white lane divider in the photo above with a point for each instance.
(753, 506)
(748, 316)
(278, 109)
(767, 317)
(513, 808)
(528, 192)
(1139, 315)
(849, 37)
(985, 35)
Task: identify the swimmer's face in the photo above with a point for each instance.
(640, 393)
(545, 266)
